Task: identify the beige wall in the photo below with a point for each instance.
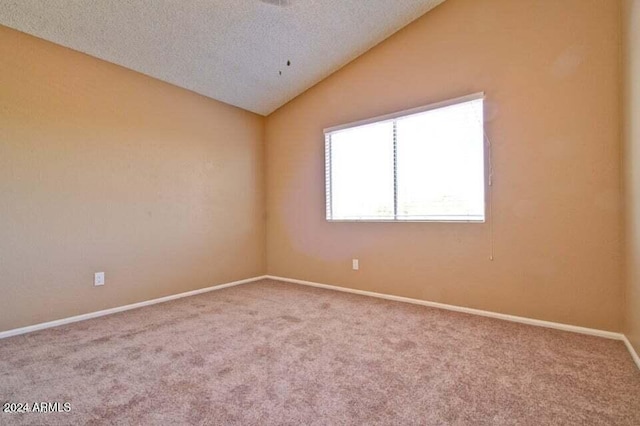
(104, 169)
(550, 70)
(631, 129)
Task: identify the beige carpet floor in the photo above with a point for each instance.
(277, 353)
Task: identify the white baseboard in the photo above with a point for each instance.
(632, 351)
(506, 317)
(69, 320)
(512, 318)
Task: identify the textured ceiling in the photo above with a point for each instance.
(235, 51)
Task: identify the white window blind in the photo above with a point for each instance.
(425, 164)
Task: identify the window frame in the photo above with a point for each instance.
(392, 117)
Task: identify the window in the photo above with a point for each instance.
(425, 164)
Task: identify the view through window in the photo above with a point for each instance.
(422, 165)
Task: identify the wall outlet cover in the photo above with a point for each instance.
(98, 278)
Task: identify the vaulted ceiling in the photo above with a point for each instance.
(254, 54)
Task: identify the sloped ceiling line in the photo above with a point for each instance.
(229, 50)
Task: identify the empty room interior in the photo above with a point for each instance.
(297, 212)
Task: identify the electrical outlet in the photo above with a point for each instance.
(355, 264)
(98, 278)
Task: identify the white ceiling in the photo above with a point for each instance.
(229, 50)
